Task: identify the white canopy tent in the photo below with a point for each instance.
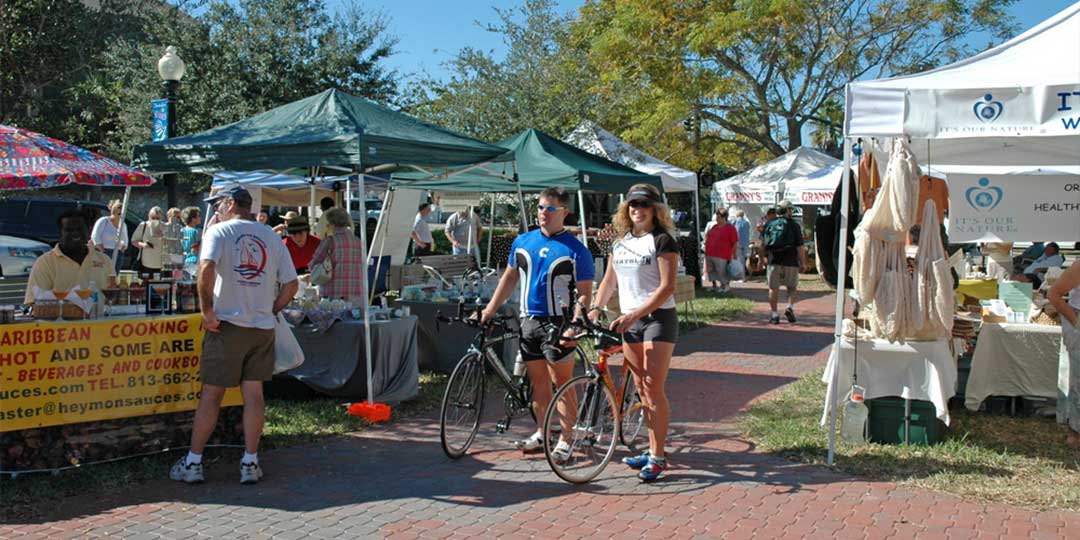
(761, 187)
(816, 188)
(1015, 105)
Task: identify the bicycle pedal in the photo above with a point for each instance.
(501, 427)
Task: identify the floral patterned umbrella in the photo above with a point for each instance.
(30, 160)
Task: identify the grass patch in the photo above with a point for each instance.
(1019, 461)
(288, 423)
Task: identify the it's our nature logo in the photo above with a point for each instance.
(988, 109)
(983, 197)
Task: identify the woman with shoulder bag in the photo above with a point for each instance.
(342, 249)
(149, 237)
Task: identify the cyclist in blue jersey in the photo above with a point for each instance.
(551, 264)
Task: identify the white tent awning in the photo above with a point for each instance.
(764, 184)
(599, 142)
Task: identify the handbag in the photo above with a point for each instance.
(735, 269)
(322, 273)
(287, 352)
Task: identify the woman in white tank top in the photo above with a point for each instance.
(1068, 403)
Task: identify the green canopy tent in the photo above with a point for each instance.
(330, 131)
(540, 161)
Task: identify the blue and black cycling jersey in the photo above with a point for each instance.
(547, 267)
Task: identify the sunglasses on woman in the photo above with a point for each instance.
(640, 204)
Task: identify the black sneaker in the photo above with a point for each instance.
(790, 314)
(775, 319)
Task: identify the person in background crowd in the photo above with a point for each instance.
(262, 218)
(548, 259)
(721, 240)
(742, 226)
(71, 262)
(1068, 399)
(783, 241)
(189, 239)
(342, 248)
(325, 204)
(463, 229)
(282, 228)
(1034, 272)
(149, 237)
(423, 242)
(172, 257)
(245, 279)
(770, 215)
(302, 245)
(643, 264)
(104, 235)
(1034, 251)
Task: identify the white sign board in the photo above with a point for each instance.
(1027, 111)
(730, 196)
(820, 197)
(455, 201)
(396, 225)
(1013, 208)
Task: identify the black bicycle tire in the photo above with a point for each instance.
(470, 358)
(629, 393)
(596, 385)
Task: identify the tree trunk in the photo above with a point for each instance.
(794, 129)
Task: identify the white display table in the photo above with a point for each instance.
(920, 370)
(1014, 360)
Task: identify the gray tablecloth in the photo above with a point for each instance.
(441, 346)
(1014, 360)
(334, 360)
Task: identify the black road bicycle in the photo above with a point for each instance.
(463, 401)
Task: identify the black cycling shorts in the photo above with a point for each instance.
(660, 325)
(537, 343)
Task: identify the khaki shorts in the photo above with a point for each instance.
(782, 276)
(237, 353)
(716, 268)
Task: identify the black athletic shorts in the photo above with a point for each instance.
(537, 343)
(660, 325)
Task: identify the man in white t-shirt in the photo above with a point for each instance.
(423, 242)
(463, 229)
(245, 277)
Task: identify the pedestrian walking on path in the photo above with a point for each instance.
(783, 240)
(643, 263)
(242, 264)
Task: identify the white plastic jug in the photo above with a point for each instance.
(853, 428)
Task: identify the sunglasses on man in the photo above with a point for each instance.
(549, 209)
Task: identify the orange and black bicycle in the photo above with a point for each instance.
(591, 414)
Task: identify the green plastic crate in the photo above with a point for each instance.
(886, 422)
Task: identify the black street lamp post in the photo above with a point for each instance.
(171, 69)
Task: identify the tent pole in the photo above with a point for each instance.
(491, 230)
(364, 285)
(521, 199)
(468, 232)
(120, 229)
(387, 204)
(581, 218)
(697, 224)
(841, 282)
(348, 199)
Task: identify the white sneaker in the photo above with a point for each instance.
(561, 453)
(250, 473)
(532, 444)
(182, 471)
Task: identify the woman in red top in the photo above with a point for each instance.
(301, 244)
(720, 241)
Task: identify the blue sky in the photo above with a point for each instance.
(430, 31)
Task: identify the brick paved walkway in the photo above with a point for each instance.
(394, 482)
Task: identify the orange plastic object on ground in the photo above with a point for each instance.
(372, 412)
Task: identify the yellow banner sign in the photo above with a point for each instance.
(68, 372)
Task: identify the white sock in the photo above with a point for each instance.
(791, 307)
(192, 457)
(775, 314)
(250, 458)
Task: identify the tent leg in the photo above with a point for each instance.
(521, 200)
(841, 281)
(367, 319)
(387, 204)
(348, 199)
(700, 247)
(120, 229)
(581, 217)
(491, 230)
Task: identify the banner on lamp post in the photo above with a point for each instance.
(1013, 208)
(159, 109)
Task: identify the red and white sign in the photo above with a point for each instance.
(740, 196)
(810, 197)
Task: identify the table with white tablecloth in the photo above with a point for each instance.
(920, 370)
(1014, 360)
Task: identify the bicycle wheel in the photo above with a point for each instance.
(462, 406)
(590, 430)
(632, 431)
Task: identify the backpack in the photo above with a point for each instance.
(781, 234)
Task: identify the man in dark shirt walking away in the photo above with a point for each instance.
(783, 241)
